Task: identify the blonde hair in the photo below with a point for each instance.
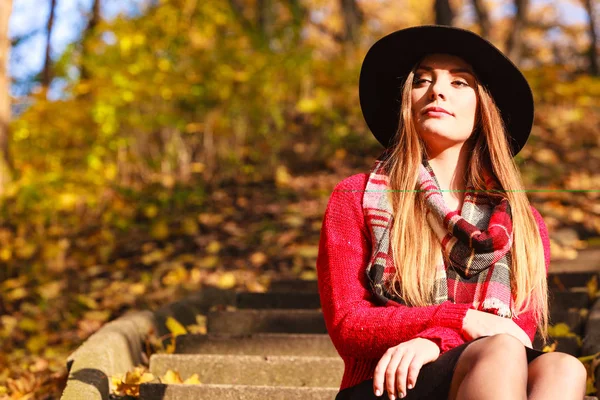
(414, 245)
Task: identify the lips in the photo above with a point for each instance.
(436, 110)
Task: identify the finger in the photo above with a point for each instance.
(413, 372)
(402, 373)
(390, 372)
(379, 373)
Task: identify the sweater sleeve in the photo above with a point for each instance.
(527, 320)
(358, 328)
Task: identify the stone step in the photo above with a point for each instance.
(281, 299)
(569, 344)
(157, 391)
(294, 285)
(274, 344)
(572, 317)
(591, 339)
(574, 298)
(244, 322)
(252, 370)
(566, 280)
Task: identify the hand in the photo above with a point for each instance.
(480, 323)
(400, 366)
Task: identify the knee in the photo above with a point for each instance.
(563, 366)
(505, 346)
(501, 349)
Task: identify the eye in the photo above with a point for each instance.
(460, 83)
(419, 80)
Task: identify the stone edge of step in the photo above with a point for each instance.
(117, 347)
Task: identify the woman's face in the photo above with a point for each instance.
(444, 101)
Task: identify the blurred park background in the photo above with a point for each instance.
(158, 146)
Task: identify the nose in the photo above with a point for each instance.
(437, 89)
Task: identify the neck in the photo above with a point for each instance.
(450, 166)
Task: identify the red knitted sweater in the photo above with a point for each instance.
(360, 330)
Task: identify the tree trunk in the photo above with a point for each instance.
(444, 15)
(592, 52)
(6, 167)
(514, 43)
(87, 33)
(46, 73)
(298, 16)
(256, 30)
(353, 19)
(483, 17)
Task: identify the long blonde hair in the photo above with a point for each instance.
(414, 245)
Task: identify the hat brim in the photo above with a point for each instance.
(391, 58)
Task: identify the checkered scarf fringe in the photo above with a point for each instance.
(476, 243)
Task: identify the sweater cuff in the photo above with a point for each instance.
(451, 315)
(444, 338)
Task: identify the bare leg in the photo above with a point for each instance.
(556, 376)
(491, 368)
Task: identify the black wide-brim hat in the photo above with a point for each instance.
(391, 58)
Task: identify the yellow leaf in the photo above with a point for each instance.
(160, 230)
(36, 343)
(176, 276)
(171, 377)
(560, 330)
(307, 105)
(170, 349)
(193, 380)
(175, 327)
(549, 348)
(592, 287)
(189, 226)
(151, 211)
(282, 176)
(226, 281)
(50, 290)
(213, 247)
(28, 325)
(130, 384)
(5, 254)
(137, 288)
(208, 262)
(87, 301)
(17, 294)
(258, 258)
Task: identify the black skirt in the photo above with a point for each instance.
(433, 382)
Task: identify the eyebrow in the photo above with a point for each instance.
(452, 71)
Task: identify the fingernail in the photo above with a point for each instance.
(378, 393)
(410, 386)
(401, 395)
(392, 397)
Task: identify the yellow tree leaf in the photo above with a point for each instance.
(130, 384)
(193, 380)
(171, 377)
(175, 327)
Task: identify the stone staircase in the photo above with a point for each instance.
(271, 346)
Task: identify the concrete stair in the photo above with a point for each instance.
(234, 392)
(271, 345)
(267, 346)
(262, 344)
(275, 345)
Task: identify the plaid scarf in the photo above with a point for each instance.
(476, 243)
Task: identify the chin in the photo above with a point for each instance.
(439, 137)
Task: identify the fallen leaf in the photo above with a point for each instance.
(175, 327)
(227, 280)
(193, 380)
(171, 377)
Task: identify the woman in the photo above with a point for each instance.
(432, 268)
